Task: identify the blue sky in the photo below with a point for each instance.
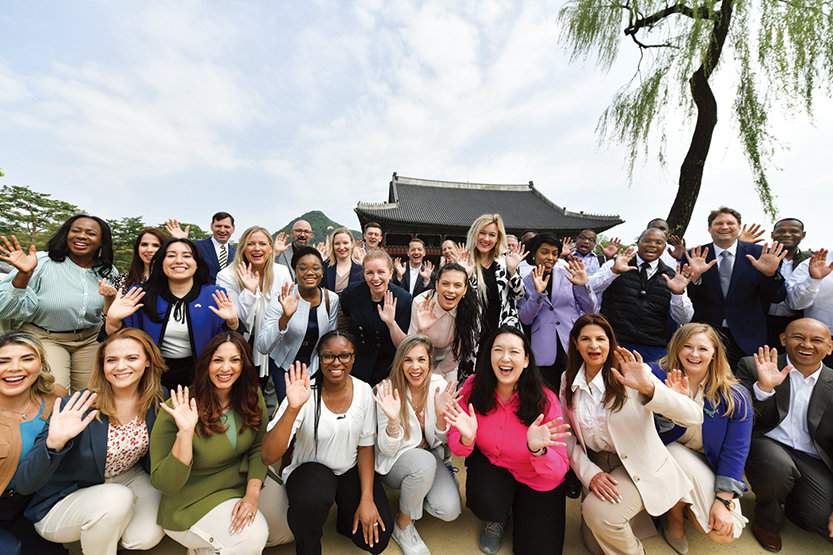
(270, 109)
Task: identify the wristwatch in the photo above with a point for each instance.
(729, 504)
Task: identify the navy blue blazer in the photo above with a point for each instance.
(52, 475)
(206, 247)
(330, 276)
(405, 282)
(748, 300)
(725, 439)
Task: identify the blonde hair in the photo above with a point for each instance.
(497, 250)
(44, 386)
(268, 272)
(377, 254)
(150, 386)
(719, 381)
(397, 374)
(332, 253)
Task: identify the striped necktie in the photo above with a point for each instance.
(223, 257)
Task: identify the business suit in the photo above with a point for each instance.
(745, 306)
(206, 247)
(419, 286)
(648, 477)
(780, 475)
(285, 258)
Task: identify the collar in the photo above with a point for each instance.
(653, 265)
(580, 382)
(217, 244)
(733, 250)
(812, 378)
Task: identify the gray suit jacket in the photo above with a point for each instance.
(285, 258)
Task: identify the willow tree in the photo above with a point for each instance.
(780, 50)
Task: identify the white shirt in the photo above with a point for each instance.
(413, 277)
(681, 309)
(793, 431)
(339, 436)
(176, 343)
(782, 308)
(217, 246)
(814, 296)
(591, 413)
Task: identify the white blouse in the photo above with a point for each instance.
(591, 413)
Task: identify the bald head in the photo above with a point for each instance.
(301, 233)
(807, 342)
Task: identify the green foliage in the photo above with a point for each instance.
(31, 216)
(321, 226)
(125, 232)
(195, 233)
(783, 50)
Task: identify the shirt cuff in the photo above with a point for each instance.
(761, 395)
(725, 484)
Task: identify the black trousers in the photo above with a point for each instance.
(312, 488)
(551, 375)
(789, 483)
(17, 535)
(492, 494)
(733, 351)
(180, 372)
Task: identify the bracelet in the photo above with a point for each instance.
(393, 432)
(544, 448)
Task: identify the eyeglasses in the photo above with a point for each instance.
(302, 231)
(329, 358)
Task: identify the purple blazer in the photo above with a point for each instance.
(548, 314)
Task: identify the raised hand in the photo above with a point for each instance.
(567, 247)
(387, 310)
(400, 267)
(323, 248)
(183, 410)
(612, 248)
(387, 397)
(818, 267)
(466, 423)
(770, 258)
(426, 271)
(444, 398)
(539, 279)
(766, 362)
(106, 290)
(679, 282)
(540, 435)
(425, 316)
(24, 262)
(250, 280)
(576, 273)
(298, 389)
(697, 262)
(125, 304)
(66, 423)
(465, 260)
(289, 302)
(751, 234)
(225, 308)
(358, 255)
(633, 372)
(677, 249)
(175, 230)
(604, 486)
(676, 382)
(514, 258)
(281, 243)
(621, 263)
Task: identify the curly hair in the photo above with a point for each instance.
(58, 249)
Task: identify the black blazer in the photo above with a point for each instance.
(206, 247)
(771, 412)
(405, 282)
(330, 276)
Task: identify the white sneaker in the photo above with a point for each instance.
(409, 540)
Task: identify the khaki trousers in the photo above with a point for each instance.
(70, 355)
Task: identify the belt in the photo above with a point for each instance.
(8, 493)
(79, 330)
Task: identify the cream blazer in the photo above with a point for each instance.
(659, 479)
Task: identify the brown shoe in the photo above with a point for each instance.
(768, 540)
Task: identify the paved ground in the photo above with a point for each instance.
(460, 537)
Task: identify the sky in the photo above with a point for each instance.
(269, 109)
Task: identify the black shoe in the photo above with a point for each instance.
(572, 485)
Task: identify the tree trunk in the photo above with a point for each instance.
(691, 170)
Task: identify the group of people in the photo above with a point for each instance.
(227, 397)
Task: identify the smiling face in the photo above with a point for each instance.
(301, 233)
(487, 239)
(335, 371)
(377, 274)
(84, 239)
(343, 245)
(309, 272)
(179, 263)
(222, 230)
(724, 230)
(225, 367)
(789, 233)
(257, 249)
(148, 245)
(593, 345)
(546, 255)
(695, 356)
(509, 359)
(807, 342)
(651, 245)
(416, 252)
(451, 286)
(372, 237)
(585, 242)
(417, 366)
(19, 369)
(449, 249)
(124, 364)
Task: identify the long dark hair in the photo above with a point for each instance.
(137, 265)
(157, 283)
(468, 315)
(243, 397)
(318, 377)
(58, 248)
(532, 399)
(615, 394)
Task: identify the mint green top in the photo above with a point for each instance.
(230, 423)
(218, 471)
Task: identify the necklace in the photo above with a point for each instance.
(339, 405)
(23, 414)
